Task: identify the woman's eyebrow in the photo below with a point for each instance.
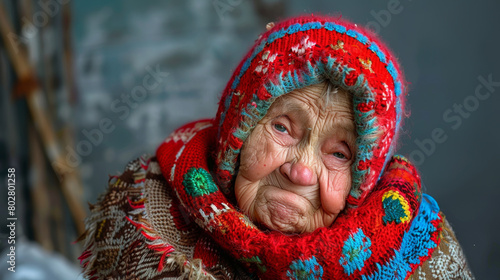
(299, 112)
(282, 106)
(345, 123)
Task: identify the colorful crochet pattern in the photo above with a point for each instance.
(389, 230)
(138, 230)
(359, 244)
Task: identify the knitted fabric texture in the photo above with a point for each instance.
(393, 232)
(138, 230)
(390, 229)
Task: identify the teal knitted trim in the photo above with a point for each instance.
(289, 81)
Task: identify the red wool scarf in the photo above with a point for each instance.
(393, 232)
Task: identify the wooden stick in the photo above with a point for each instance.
(40, 193)
(69, 179)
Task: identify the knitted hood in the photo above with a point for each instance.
(308, 50)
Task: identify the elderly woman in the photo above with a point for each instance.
(295, 178)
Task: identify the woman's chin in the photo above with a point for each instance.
(284, 212)
(284, 218)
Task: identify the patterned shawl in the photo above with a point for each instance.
(177, 214)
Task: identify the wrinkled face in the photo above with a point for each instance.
(295, 167)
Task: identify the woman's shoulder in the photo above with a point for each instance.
(447, 261)
(138, 228)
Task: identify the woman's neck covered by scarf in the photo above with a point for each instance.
(396, 228)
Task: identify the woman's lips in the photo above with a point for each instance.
(285, 209)
(282, 215)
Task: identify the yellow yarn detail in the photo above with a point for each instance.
(100, 228)
(396, 195)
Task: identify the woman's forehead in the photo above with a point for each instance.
(329, 114)
(314, 100)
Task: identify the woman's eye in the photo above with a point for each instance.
(280, 127)
(339, 155)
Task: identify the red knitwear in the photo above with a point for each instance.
(367, 239)
(176, 212)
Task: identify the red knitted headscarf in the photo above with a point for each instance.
(390, 230)
(305, 51)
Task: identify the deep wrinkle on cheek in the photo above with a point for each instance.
(334, 194)
(341, 178)
(244, 195)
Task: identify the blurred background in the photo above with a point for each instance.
(73, 109)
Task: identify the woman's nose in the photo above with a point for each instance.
(299, 174)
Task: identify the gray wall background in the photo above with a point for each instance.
(444, 48)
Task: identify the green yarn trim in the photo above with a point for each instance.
(255, 260)
(198, 182)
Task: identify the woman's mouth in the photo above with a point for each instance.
(282, 210)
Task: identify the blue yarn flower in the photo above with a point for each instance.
(355, 252)
(198, 182)
(308, 269)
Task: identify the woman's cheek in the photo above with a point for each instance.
(245, 194)
(267, 158)
(334, 193)
(253, 151)
(249, 159)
